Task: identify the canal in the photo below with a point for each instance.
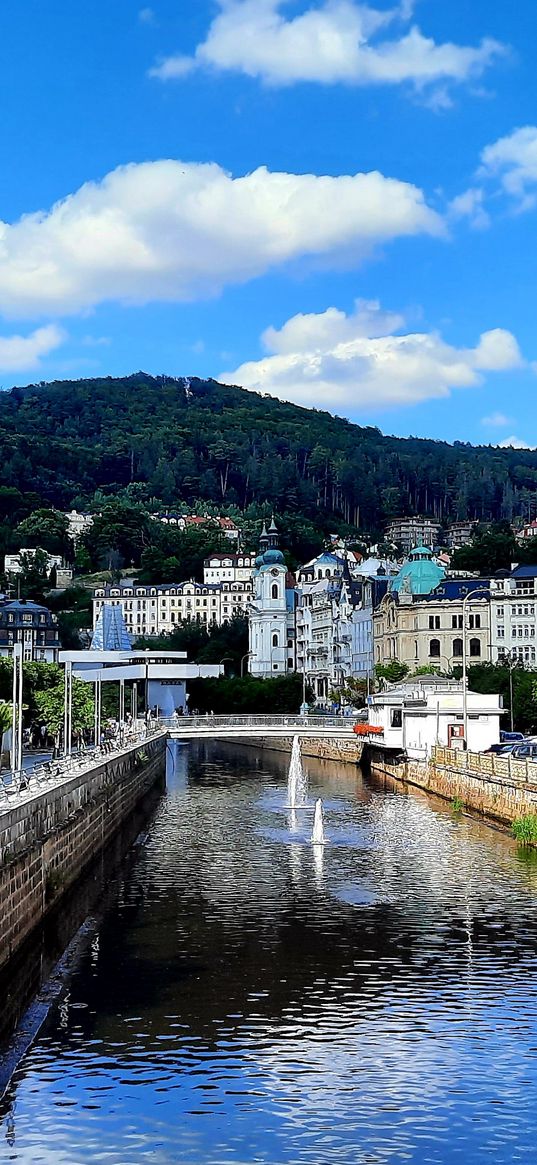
(246, 997)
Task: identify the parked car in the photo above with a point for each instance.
(525, 751)
(503, 749)
(508, 737)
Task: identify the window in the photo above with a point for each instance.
(475, 648)
(456, 622)
(501, 632)
(474, 621)
(500, 612)
(275, 640)
(396, 718)
(457, 648)
(275, 591)
(434, 622)
(434, 648)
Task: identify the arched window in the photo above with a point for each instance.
(457, 648)
(475, 647)
(434, 648)
(275, 591)
(276, 640)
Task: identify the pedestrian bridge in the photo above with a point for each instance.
(227, 727)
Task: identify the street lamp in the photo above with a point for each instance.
(226, 659)
(246, 656)
(469, 595)
(16, 726)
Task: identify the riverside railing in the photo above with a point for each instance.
(17, 787)
(487, 765)
(257, 723)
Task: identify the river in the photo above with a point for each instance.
(247, 997)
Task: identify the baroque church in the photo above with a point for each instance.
(272, 611)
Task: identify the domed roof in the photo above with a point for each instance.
(420, 575)
(271, 557)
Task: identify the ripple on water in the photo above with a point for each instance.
(254, 998)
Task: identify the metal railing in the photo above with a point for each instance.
(256, 723)
(16, 787)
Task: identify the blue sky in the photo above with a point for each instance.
(330, 201)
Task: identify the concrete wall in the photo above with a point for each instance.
(46, 842)
(489, 785)
(346, 750)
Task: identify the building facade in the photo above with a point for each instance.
(156, 610)
(236, 568)
(32, 625)
(427, 630)
(271, 614)
(513, 616)
(409, 532)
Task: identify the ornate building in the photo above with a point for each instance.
(272, 611)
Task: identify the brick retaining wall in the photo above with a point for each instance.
(46, 842)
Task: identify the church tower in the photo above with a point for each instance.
(272, 610)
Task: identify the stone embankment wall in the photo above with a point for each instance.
(497, 787)
(344, 749)
(48, 840)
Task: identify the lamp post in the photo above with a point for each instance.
(16, 726)
(67, 708)
(469, 595)
(226, 659)
(248, 655)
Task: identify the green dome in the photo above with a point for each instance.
(420, 575)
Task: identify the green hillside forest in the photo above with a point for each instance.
(168, 442)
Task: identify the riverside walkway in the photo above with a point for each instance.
(227, 727)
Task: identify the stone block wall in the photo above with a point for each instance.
(470, 777)
(346, 750)
(46, 842)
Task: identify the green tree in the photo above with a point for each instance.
(492, 549)
(392, 672)
(50, 708)
(47, 529)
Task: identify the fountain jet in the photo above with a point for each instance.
(317, 836)
(296, 784)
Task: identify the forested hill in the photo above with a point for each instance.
(185, 440)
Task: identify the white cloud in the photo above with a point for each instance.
(513, 160)
(515, 443)
(470, 205)
(19, 353)
(178, 231)
(335, 41)
(345, 362)
(496, 420)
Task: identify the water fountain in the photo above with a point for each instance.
(317, 836)
(297, 787)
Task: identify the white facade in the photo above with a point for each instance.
(156, 610)
(271, 622)
(229, 568)
(419, 714)
(78, 524)
(513, 617)
(13, 563)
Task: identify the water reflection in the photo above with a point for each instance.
(251, 997)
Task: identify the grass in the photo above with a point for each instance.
(457, 805)
(524, 829)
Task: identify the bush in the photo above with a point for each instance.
(248, 695)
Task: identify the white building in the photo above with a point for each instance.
(78, 524)
(513, 616)
(271, 612)
(156, 610)
(236, 568)
(181, 521)
(13, 562)
(421, 713)
(409, 532)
